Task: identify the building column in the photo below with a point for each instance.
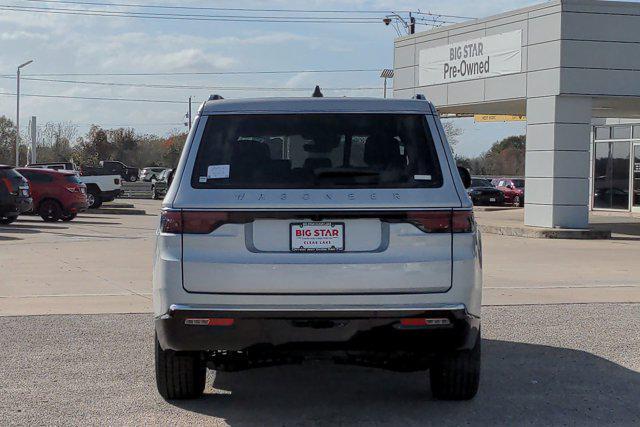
(557, 162)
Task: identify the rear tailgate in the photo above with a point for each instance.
(256, 256)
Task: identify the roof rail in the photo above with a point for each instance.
(420, 96)
(215, 97)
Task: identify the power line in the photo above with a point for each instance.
(234, 9)
(95, 98)
(434, 19)
(182, 17)
(207, 73)
(207, 87)
(238, 9)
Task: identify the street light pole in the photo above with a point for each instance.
(18, 110)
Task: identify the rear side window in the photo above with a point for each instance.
(317, 151)
(9, 173)
(34, 176)
(72, 178)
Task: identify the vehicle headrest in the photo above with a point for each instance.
(381, 150)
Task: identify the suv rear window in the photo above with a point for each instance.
(317, 151)
(72, 178)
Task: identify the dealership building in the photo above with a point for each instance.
(572, 67)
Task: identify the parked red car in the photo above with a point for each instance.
(513, 190)
(57, 195)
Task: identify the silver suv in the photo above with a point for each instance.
(299, 229)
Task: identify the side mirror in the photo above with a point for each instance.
(465, 175)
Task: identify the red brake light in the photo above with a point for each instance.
(431, 221)
(171, 222)
(463, 222)
(192, 222)
(442, 221)
(7, 183)
(202, 222)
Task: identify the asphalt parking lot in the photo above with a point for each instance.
(543, 365)
(561, 340)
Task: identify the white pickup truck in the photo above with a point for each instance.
(100, 188)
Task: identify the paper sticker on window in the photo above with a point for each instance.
(218, 171)
(203, 179)
(422, 177)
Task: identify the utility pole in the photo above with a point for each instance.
(188, 117)
(18, 110)
(412, 24)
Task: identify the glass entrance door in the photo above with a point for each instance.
(636, 177)
(611, 175)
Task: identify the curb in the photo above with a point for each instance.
(541, 233)
(116, 211)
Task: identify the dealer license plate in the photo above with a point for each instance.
(492, 199)
(317, 237)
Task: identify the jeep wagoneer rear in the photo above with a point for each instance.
(298, 229)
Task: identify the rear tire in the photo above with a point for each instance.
(93, 199)
(456, 376)
(67, 218)
(179, 375)
(8, 220)
(50, 210)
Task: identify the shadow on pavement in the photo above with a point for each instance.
(521, 384)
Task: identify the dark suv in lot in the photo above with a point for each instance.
(15, 196)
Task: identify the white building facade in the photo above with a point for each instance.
(570, 66)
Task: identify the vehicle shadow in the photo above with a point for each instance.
(521, 384)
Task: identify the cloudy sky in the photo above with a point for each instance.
(94, 45)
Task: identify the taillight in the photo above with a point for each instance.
(171, 222)
(442, 221)
(192, 222)
(8, 184)
(202, 222)
(462, 222)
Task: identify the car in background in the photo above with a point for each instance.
(112, 167)
(161, 186)
(15, 196)
(100, 188)
(513, 189)
(57, 195)
(151, 173)
(482, 192)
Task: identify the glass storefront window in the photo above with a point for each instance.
(611, 175)
(636, 175)
(636, 132)
(621, 132)
(603, 132)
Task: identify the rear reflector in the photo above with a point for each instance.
(209, 322)
(442, 221)
(421, 322)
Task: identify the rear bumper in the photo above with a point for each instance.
(16, 205)
(377, 331)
